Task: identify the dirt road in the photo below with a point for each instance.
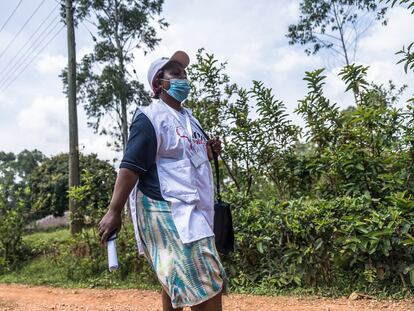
(28, 298)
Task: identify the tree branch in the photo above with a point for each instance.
(340, 28)
(328, 35)
(230, 173)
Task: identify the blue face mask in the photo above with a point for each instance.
(179, 89)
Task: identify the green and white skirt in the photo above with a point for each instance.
(190, 273)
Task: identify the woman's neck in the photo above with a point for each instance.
(170, 101)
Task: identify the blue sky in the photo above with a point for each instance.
(249, 35)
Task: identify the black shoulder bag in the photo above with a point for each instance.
(223, 222)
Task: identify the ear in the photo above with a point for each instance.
(156, 83)
(157, 87)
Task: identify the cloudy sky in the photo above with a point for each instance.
(249, 35)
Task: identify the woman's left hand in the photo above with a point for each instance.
(213, 145)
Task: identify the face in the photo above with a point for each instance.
(173, 70)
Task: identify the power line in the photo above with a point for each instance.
(90, 32)
(61, 3)
(9, 75)
(27, 65)
(31, 38)
(11, 15)
(23, 58)
(94, 39)
(20, 30)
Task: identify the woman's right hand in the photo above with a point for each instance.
(109, 224)
(112, 221)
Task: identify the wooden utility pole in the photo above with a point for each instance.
(75, 224)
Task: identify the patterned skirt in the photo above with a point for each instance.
(189, 273)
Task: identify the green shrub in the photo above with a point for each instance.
(11, 230)
(310, 243)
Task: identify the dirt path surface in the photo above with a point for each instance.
(28, 298)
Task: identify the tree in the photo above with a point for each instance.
(49, 188)
(255, 149)
(27, 161)
(7, 175)
(12, 221)
(106, 86)
(14, 203)
(358, 151)
(336, 25)
(14, 171)
(94, 194)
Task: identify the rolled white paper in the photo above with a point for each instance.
(112, 257)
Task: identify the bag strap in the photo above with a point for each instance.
(216, 165)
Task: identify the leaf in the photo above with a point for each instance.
(406, 228)
(259, 246)
(411, 274)
(318, 244)
(297, 280)
(373, 247)
(360, 167)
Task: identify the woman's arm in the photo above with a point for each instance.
(125, 181)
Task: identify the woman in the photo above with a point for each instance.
(166, 166)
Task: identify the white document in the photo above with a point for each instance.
(112, 257)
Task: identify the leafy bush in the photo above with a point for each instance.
(315, 242)
(12, 222)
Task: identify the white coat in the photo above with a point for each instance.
(186, 186)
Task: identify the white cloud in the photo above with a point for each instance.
(289, 59)
(83, 51)
(97, 144)
(51, 64)
(43, 125)
(378, 50)
(6, 101)
(335, 89)
(40, 125)
(45, 119)
(383, 42)
(244, 33)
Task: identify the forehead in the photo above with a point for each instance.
(174, 65)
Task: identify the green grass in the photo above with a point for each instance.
(41, 271)
(51, 264)
(40, 238)
(334, 291)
